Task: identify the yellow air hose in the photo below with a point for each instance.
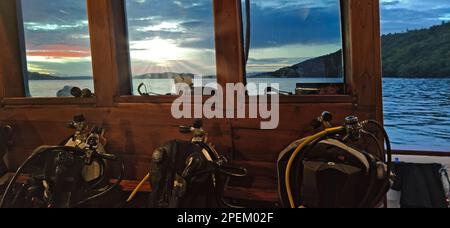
(139, 186)
(295, 154)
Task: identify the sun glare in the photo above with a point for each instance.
(156, 50)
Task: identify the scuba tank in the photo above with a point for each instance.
(65, 176)
(189, 174)
(340, 167)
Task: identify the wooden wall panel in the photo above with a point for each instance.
(229, 49)
(12, 54)
(137, 129)
(109, 47)
(364, 45)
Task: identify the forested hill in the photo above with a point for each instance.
(417, 53)
(328, 66)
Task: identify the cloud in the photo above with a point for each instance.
(60, 66)
(283, 31)
(401, 15)
(390, 2)
(297, 23)
(289, 4)
(59, 51)
(57, 37)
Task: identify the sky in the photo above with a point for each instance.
(178, 35)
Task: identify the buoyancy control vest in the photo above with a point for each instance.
(190, 174)
(337, 168)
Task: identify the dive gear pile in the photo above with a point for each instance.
(65, 176)
(337, 167)
(81, 93)
(190, 174)
(340, 167)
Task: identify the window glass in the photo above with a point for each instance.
(294, 42)
(416, 69)
(169, 40)
(57, 47)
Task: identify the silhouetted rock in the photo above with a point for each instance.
(39, 76)
(166, 75)
(323, 66)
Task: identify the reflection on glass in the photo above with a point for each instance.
(170, 39)
(295, 42)
(57, 46)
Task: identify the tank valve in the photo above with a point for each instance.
(353, 127)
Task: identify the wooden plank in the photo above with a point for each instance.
(363, 42)
(378, 85)
(47, 101)
(252, 194)
(299, 116)
(121, 49)
(133, 126)
(347, 45)
(292, 116)
(261, 146)
(12, 59)
(261, 175)
(283, 99)
(109, 47)
(229, 45)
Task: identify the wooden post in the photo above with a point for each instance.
(109, 47)
(12, 57)
(364, 55)
(229, 45)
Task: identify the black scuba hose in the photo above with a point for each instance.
(16, 197)
(107, 191)
(388, 142)
(380, 147)
(365, 202)
(384, 154)
(373, 178)
(389, 157)
(380, 196)
(36, 153)
(43, 150)
(220, 168)
(17, 174)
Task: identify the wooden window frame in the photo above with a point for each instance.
(344, 36)
(111, 59)
(11, 58)
(230, 64)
